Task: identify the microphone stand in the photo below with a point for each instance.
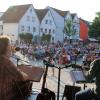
(59, 73)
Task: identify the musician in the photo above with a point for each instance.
(9, 74)
(94, 72)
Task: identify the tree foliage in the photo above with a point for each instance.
(21, 36)
(46, 37)
(27, 37)
(95, 27)
(69, 28)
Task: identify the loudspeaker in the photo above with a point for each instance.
(70, 91)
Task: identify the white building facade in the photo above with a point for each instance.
(26, 19)
(48, 26)
(59, 21)
(27, 23)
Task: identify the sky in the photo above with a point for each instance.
(85, 9)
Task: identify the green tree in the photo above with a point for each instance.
(27, 37)
(21, 36)
(43, 37)
(95, 27)
(46, 37)
(36, 38)
(69, 28)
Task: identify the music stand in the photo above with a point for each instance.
(78, 76)
(34, 73)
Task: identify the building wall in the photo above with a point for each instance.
(59, 20)
(83, 30)
(29, 19)
(11, 30)
(48, 24)
(30, 23)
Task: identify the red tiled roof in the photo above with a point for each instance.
(14, 13)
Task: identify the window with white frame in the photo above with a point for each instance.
(53, 31)
(28, 28)
(49, 31)
(22, 28)
(45, 30)
(34, 29)
(52, 38)
(41, 29)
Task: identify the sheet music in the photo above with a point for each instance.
(78, 76)
(34, 73)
